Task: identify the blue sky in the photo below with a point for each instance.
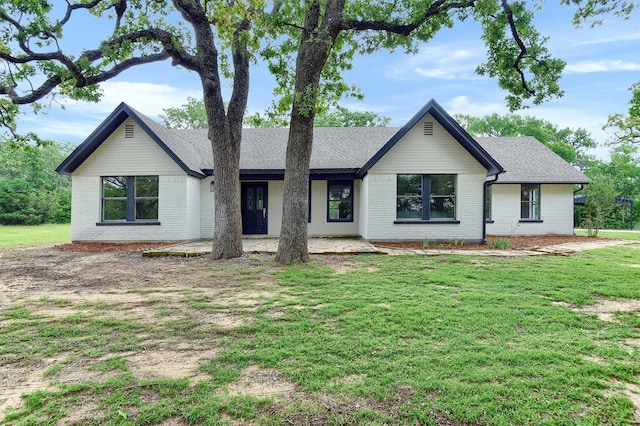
(602, 63)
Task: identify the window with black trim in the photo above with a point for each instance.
(130, 199)
(530, 202)
(340, 201)
(438, 204)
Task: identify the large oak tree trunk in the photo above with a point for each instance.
(225, 127)
(227, 234)
(293, 234)
(316, 41)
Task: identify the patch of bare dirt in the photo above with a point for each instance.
(515, 243)
(16, 381)
(168, 363)
(113, 281)
(259, 382)
(631, 391)
(606, 308)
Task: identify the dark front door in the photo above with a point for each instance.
(254, 208)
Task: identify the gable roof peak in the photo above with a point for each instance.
(434, 109)
(173, 145)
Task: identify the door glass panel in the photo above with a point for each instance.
(259, 198)
(249, 198)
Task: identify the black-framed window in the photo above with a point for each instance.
(530, 201)
(340, 201)
(488, 194)
(130, 198)
(426, 197)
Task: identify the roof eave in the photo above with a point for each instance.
(104, 130)
(543, 182)
(93, 141)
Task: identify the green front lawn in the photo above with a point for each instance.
(27, 236)
(360, 340)
(613, 233)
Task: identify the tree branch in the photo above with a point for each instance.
(72, 7)
(436, 8)
(521, 46)
(238, 101)
(54, 81)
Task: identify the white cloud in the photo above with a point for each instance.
(445, 62)
(571, 116)
(78, 119)
(462, 105)
(56, 126)
(602, 66)
(617, 38)
(149, 98)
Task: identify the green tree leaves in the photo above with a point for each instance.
(31, 192)
(626, 128)
(570, 144)
(191, 115)
(518, 57)
(343, 117)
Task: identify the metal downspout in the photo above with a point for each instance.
(484, 206)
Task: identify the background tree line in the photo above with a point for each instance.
(31, 192)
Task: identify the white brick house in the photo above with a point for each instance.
(136, 180)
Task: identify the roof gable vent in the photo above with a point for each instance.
(128, 131)
(428, 128)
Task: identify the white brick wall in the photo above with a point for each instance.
(275, 194)
(381, 212)
(120, 156)
(556, 211)
(363, 203)
(319, 225)
(175, 223)
(192, 203)
(206, 208)
(417, 153)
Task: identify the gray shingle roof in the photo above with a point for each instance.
(526, 160)
(265, 149)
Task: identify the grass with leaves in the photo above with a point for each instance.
(365, 340)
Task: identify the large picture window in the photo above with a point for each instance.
(530, 202)
(426, 197)
(130, 198)
(340, 202)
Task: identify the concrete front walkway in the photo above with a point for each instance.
(555, 250)
(358, 245)
(269, 245)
